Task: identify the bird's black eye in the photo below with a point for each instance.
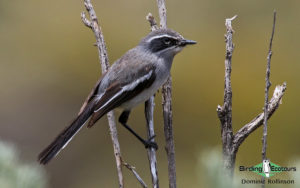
(167, 41)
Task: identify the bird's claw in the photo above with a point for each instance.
(151, 144)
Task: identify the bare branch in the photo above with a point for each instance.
(132, 169)
(268, 84)
(168, 130)
(149, 108)
(267, 87)
(93, 24)
(167, 108)
(152, 22)
(162, 13)
(225, 112)
(231, 142)
(247, 129)
(85, 20)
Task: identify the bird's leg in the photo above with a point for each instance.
(147, 143)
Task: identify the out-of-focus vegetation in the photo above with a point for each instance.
(210, 165)
(48, 65)
(14, 173)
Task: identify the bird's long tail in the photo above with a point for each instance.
(66, 135)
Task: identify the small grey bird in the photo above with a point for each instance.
(131, 80)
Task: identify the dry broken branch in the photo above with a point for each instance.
(138, 177)
(168, 130)
(247, 129)
(268, 85)
(225, 112)
(152, 22)
(167, 108)
(149, 110)
(231, 142)
(162, 11)
(102, 52)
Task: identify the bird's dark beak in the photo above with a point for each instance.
(185, 42)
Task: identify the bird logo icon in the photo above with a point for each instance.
(266, 167)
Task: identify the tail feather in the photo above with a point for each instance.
(66, 135)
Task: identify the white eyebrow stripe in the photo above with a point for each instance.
(128, 87)
(161, 36)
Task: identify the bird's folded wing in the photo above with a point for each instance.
(118, 93)
(91, 95)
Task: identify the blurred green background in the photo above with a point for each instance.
(48, 65)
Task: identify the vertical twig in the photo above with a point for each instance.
(168, 130)
(149, 109)
(162, 11)
(103, 57)
(167, 108)
(268, 85)
(225, 112)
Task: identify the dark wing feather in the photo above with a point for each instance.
(91, 95)
(66, 135)
(126, 95)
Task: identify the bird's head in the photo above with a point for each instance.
(164, 43)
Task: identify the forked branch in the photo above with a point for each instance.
(231, 142)
(255, 123)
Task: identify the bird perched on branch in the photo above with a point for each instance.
(131, 80)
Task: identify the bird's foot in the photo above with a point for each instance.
(150, 144)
